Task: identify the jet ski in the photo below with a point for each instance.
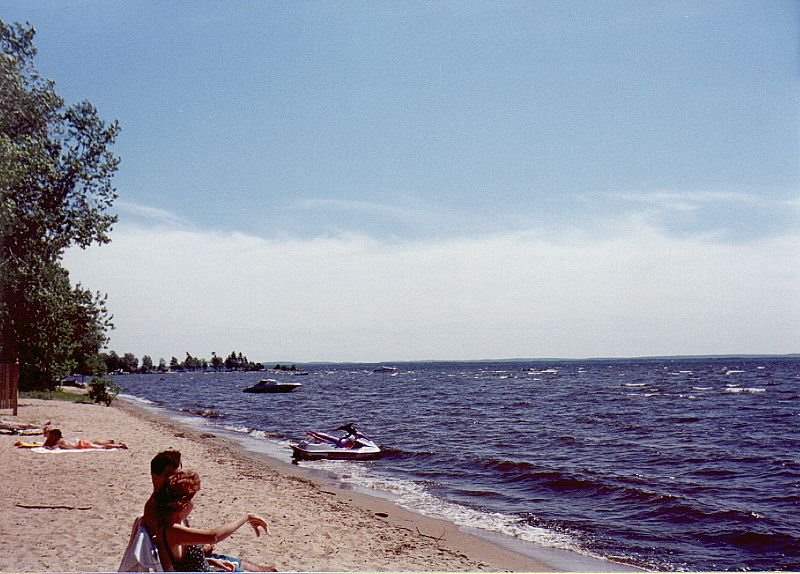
(352, 446)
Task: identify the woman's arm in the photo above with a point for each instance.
(223, 565)
(180, 535)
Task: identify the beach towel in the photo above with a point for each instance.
(141, 555)
(42, 450)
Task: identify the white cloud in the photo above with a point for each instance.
(403, 212)
(685, 200)
(364, 207)
(631, 292)
(150, 215)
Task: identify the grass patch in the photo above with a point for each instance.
(57, 395)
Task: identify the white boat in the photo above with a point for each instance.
(272, 386)
(352, 446)
(385, 369)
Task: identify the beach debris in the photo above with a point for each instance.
(419, 532)
(52, 506)
(381, 515)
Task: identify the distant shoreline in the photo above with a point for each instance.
(556, 359)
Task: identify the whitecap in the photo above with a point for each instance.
(242, 430)
(415, 497)
(135, 399)
(751, 390)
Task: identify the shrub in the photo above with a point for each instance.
(103, 390)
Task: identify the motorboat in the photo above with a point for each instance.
(272, 386)
(384, 369)
(352, 446)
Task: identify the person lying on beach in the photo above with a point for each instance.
(55, 440)
(181, 547)
(162, 466)
(15, 428)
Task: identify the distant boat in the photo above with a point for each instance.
(272, 386)
(533, 371)
(385, 369)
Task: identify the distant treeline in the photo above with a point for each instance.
(129, 363)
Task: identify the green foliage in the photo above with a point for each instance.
(112, 363)
(55, 188)
(103, 390)
(147, 364)
(56, 395)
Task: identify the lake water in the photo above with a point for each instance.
(680, 464)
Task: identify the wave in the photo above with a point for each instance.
(759, 542)
(551, 479)
(751, 390)
(135, 399)
(392, 452)
(628, 493)
(205, 413)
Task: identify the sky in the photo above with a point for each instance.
(386, 181)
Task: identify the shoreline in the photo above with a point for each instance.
(506, 553)
(72, 511)
(444, 533)
(318, 522)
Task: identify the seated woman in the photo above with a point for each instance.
(55, 440)
(181, 547)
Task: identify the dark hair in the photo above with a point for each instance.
(176, 492)
(164, 460)
(53, 436)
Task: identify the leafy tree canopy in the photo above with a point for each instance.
(56, 168)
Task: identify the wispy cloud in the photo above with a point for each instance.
(685, 200)
(400, 211)
(148, 215)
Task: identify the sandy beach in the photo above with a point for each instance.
(72, 511)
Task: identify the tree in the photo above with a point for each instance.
(55, 189)
(216, 362)
(231, 363)
(147, 364)
(112, 361)
(90, 322)
(130, 363)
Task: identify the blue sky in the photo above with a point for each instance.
(453, 180)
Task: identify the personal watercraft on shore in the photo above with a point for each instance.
(352, 446)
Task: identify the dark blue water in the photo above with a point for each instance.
(689, 464)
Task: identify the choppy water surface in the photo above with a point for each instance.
(689, 464)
